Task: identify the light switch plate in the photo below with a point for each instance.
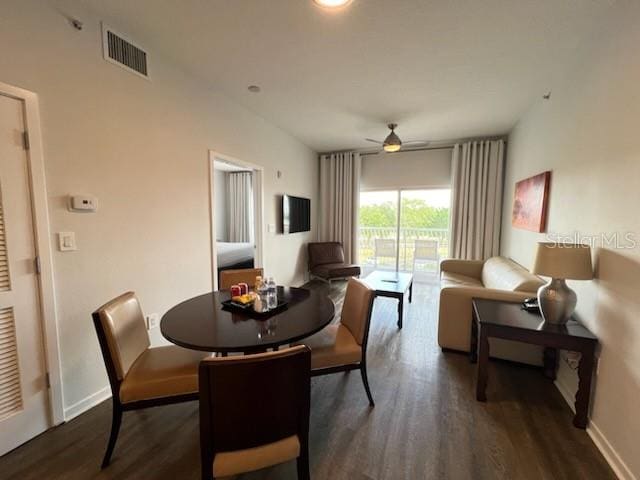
(67, 241)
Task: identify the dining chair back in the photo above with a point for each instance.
(342, 347)
(233, 277)
(140, 376)
(356, 309)
(254, 412)
(123, 326)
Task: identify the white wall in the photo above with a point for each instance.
(142, 148)
(587, 134)
(220, 204)
(417, 169)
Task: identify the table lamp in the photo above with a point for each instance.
(560, 261)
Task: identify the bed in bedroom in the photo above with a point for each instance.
(234, 255)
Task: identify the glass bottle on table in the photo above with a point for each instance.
(262, 291)
(272, 293)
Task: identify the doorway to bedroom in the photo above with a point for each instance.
(236, 214)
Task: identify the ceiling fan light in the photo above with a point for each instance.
(392, 143)
(331, 3)
(391, 147)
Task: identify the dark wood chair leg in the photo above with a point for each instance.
(116, 419)
(365, 380)
(303, 465)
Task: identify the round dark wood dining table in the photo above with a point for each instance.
(203, 323)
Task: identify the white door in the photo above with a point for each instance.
(24, 411)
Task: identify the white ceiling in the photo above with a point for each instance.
(442, 69)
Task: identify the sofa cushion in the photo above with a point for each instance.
(502, 273)
(450, 279)
(336, 270)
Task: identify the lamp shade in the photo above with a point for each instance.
(563, 260)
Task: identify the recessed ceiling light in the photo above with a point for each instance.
(331, 3)
(253, 88)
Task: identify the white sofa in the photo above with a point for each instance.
(497, 278)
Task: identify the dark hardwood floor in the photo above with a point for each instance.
(426, 423)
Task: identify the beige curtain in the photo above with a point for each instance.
(476, 206)
(339, 196)
(240, 207)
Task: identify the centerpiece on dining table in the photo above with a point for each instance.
(263, 301)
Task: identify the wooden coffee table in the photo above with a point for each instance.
(498, 319)
(393, 285)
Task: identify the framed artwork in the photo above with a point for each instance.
(530, 203)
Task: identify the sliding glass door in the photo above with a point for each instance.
(404, 230)
(378, 232)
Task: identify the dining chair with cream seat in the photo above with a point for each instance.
(342, 347)
(140, 376)
(244, 275)
(254, 412)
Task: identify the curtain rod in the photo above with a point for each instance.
(442, 146)
(447, 147)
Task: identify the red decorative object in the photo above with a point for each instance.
(236, 291)
(530, 203)
(244, 288)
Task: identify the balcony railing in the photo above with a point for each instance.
(406, 244)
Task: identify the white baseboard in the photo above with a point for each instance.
(616, 463)
(86, 403)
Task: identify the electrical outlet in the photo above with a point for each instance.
(153, 321)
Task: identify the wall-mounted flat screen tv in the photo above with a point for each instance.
(296, 214)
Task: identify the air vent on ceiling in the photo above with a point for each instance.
(122, 52)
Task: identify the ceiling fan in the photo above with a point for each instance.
(393, 143)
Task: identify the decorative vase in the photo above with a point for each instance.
(557, 301)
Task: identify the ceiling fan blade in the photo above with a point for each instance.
(416, 142)
(374, 141)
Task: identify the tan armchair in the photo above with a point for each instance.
(497, 278)
(326, 262)
(140, 376)
(343, 346)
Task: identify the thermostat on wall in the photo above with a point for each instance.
(83, 203)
